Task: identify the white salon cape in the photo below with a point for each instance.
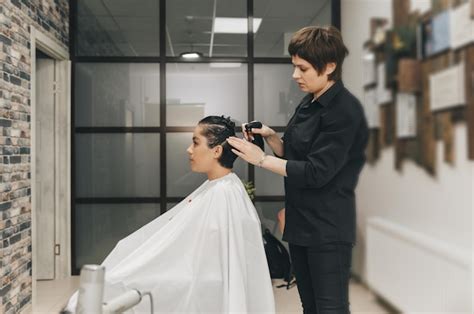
(205, 255)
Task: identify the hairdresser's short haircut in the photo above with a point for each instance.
(216, 130)
(320, 46)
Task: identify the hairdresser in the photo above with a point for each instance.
(320, 156)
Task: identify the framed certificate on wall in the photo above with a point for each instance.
(406, 115)
(448, 88)
(435, 34)
(461, 26)
(371, 108)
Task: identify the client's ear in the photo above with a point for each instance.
(218, 151)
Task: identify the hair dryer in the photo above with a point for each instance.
(257, 138)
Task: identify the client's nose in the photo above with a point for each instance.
(295, 74)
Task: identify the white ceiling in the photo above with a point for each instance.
(133, 26)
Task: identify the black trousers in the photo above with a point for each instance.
(322, 276)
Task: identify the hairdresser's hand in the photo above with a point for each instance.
(265, 131)
(249, 152)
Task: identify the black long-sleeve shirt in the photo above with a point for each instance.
(324, 144)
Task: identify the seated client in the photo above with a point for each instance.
(205, 255)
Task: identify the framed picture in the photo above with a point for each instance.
(435, 34)
(448, 88)
(368, 63)
(421, 6)
(371, 108)
(406, 115)
(461, 26)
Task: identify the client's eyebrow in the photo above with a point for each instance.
(195, 139)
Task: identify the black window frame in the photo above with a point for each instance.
(163, 129)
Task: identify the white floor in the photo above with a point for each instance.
(52, 296)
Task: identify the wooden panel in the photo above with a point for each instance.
(409, 76)
(390, 60)
(412, 150)
(418, 141)
(383, 126)
(470, 98)
(401, 11)
(455, 3)
(373, 148)
(399, 153)
(398, 145)
(391, 126)
(439, 5)
(458, 115)
(428, 149)
(387, 123)
(448, 137)
(376, 143)
(438, 127)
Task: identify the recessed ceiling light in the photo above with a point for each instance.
(191, 55)
(234, 25)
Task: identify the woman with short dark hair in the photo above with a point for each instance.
(320, 156)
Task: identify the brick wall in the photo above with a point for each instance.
(52, 18)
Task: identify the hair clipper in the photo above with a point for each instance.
(257, 138)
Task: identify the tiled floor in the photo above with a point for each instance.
(52, 296)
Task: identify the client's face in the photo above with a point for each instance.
(201, 157)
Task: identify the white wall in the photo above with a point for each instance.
(440, 207)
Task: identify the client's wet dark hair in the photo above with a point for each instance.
(217, 129)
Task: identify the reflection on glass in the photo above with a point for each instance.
(268, 183)
(117, 165)
(100, 226)
(195, 26)
(117, 94)
(117, 28)
(276, 93)
(281, 18)
(194, 91)
(268, 214)
(180, 180)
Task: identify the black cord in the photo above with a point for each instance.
(151, 301)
